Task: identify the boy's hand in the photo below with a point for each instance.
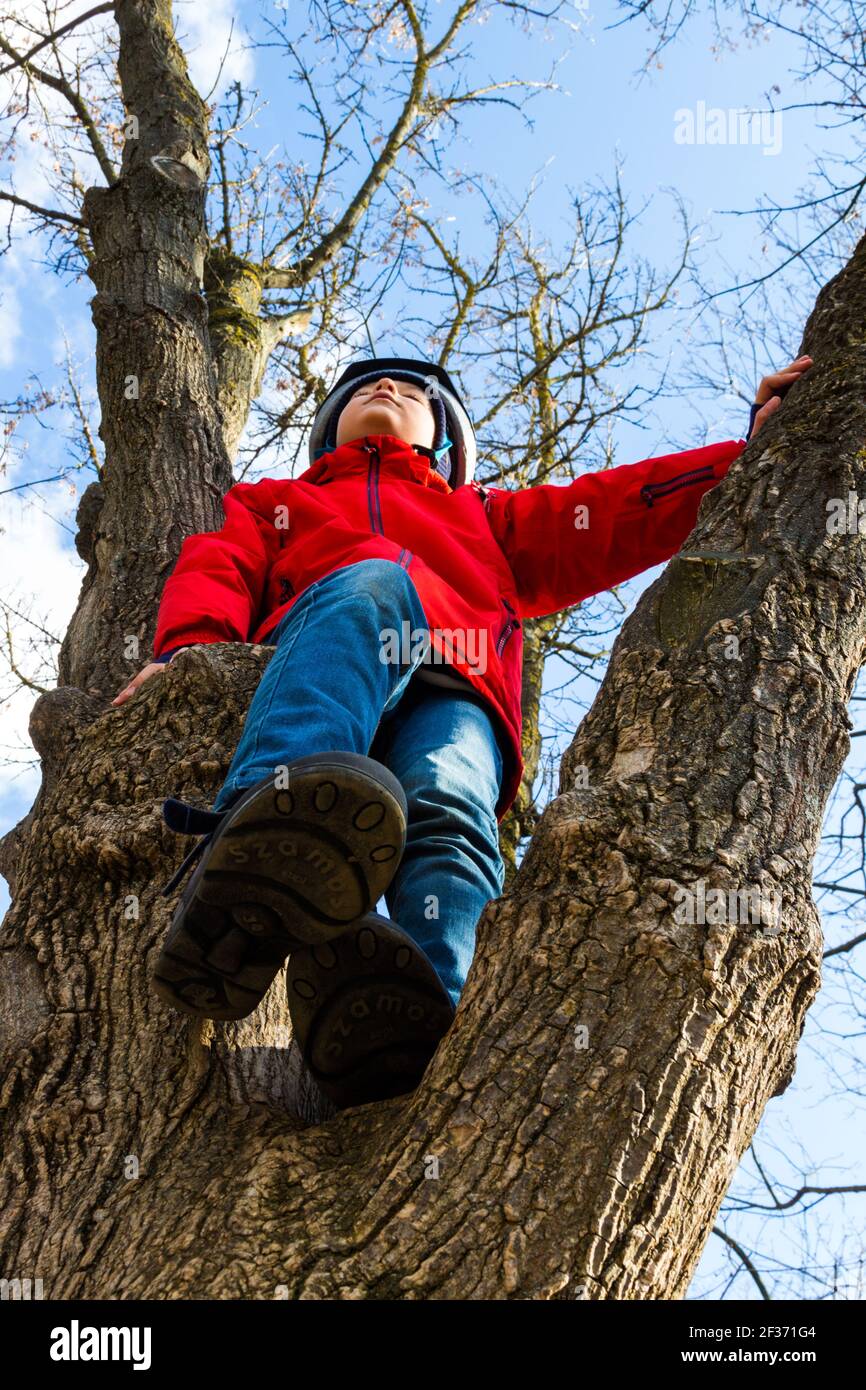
(772, 388)
(144, 675)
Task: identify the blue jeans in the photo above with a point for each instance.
(325, 689)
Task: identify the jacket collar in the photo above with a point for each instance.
(396, 459)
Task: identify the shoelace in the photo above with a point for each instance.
(188, 820)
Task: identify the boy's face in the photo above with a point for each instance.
(386, 406)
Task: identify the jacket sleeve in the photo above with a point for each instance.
(215, 590)
(566, 542)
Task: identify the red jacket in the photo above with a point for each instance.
(482, 558)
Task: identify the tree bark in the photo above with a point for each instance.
(241, 338)
(522, 817)
(166, 466)
(146, 1155)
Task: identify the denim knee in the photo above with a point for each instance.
(388, 587)
(384, 578)
(386, 584)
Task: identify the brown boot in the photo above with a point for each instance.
(280, 869)
(368, 1010)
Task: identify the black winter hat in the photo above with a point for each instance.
(454, 451)
(440, 436)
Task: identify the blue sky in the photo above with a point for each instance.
(607, 113)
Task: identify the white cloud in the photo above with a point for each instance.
(213, 40)
(34, 169)
(10, 324)
(42, 577)
(205, 32)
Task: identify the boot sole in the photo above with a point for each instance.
(285, 869)
(368, 1010)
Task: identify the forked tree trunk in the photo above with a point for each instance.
(522, 817)
(148, 1156)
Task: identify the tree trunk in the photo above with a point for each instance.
(241, 340)
(522, 818)
(166, 466)
(609, 1063)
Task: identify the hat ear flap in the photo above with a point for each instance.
(443, 458)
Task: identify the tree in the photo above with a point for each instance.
(749, 317)
(578, 1127)
(541, 331)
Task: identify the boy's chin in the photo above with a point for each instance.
(390, 427)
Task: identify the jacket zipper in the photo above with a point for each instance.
(512, 624)
(504, 636)
(373, 503)
(650, 492)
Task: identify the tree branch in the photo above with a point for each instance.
(50, 214)
(740, 1252)
(60, 84)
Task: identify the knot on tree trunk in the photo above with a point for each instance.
(10, 850)
(87, 517)
(24, 1007)
(57, 721)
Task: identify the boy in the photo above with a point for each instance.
(382, 746)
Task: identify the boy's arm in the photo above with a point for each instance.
(566, 542)
(215, 590)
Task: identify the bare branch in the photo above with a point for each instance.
(50, 214)
(741, 1254)
(79, 106)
